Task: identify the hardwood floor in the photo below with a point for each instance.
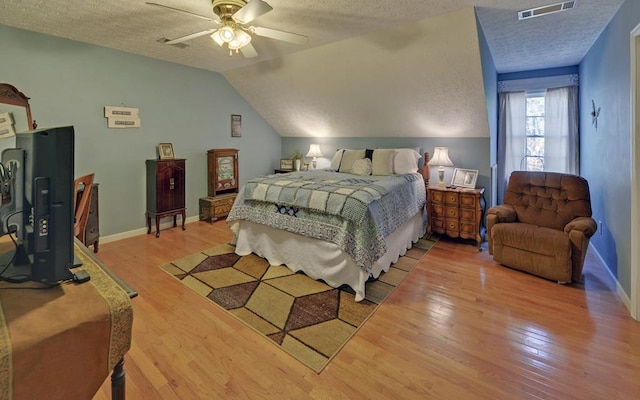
(460, 327)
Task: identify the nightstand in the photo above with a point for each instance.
(282, 171)
(456, 212)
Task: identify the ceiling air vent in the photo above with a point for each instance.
(544, 10)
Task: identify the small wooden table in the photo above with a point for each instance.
(62, 342)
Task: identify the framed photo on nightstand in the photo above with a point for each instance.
(286, 163)
(464, 178)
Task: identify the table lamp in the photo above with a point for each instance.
(314, 151)
(441, 159)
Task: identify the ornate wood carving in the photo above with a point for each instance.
(11, 95)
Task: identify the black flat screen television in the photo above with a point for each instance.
(44, 179)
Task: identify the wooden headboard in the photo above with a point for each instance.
(426, 170)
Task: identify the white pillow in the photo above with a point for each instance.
(361, 167)
(349, 157)
(335, 161)
(382, 162)
(405, 161)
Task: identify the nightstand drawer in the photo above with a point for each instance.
(467, 214)
(451, 198)
(451, 212)
(436, 197)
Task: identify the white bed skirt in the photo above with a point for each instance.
(320, 259)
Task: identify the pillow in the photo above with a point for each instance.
(361, 167)
(382, 162)
(335, 161)
(405, 161)
(348, 158)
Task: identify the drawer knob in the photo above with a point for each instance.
(451, 226)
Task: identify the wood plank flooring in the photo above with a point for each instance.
(459, 327)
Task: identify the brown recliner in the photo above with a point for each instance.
(544, 225)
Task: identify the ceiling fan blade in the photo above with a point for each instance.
(248, 51)
(183, 11)
(191, 36)
(279, 35)
(252, 10)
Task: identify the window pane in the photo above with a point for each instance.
(535, 126)
(535, 146)
(535, 106)
(534, 164)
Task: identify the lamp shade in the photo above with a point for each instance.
(314, 150)
(441, 157)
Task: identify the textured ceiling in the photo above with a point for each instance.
(370, 68)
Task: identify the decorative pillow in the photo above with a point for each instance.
(335, 161)
(405, 161)
(361, 167)
(348, 158)
(382, 162)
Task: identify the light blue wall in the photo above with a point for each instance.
(69, 83)
(606, 152)
(472, 153)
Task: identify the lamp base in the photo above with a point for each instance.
(441, 176)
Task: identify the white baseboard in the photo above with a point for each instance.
(619, 290)
(143, 231)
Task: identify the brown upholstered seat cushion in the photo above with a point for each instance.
(538, 250)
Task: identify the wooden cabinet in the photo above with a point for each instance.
(222, 171)
(165, 191)
(222, 184)
(456, 212)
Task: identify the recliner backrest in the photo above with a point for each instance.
(548, 199)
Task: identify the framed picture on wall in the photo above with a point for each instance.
(464, 178)
(165, 151)
(236, 125)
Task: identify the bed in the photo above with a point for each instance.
(343, 225)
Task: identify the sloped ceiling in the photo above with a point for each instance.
(370, 68)
(419, 79)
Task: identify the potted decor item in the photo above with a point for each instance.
(296, 156)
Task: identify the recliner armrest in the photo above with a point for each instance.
(496, 215)
(503, 213)
(586, 225)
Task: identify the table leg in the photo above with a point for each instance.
(118, 381)
(183, 215)
(157, 226)
(148, 223)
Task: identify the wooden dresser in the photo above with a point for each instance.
(165, 191)
(222, 184)
(456, 212)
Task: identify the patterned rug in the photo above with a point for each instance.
(307, 318)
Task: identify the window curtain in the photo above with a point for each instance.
(561, 133)
(561, 144)
(511, 137)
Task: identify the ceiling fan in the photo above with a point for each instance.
(232, 18)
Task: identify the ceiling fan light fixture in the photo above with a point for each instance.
(217, 38)
(226, 34)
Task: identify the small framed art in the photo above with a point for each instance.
(165, 151)
(286, 163)
(236, 125)
(464, 178)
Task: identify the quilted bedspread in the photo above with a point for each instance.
(354, 212)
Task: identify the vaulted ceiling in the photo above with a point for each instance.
(369, 68)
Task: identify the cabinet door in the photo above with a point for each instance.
(170, 189)
(223, 171)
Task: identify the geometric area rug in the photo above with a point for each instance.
(306, 318)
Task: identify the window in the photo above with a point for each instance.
(533, 159)
(537, 128)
